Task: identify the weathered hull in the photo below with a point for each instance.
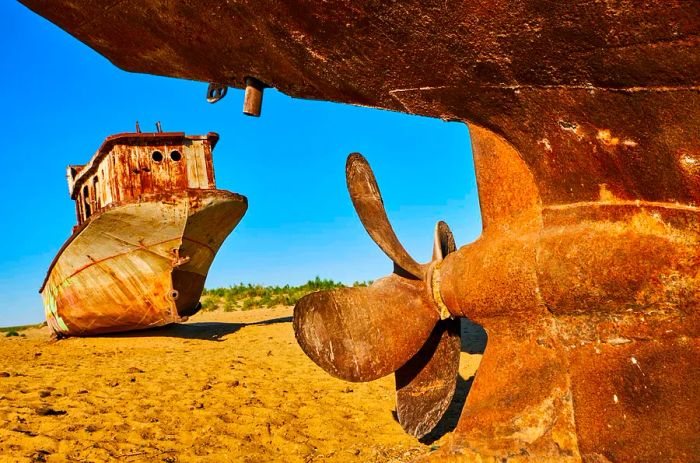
(139, 265)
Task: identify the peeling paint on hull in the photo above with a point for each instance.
(139, 265)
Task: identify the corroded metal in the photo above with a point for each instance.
(352, 332)
(216, 92)
(369, 205)
(360, 334)
(426, 383)
(585, 123)
(534, 383)
(252, 101)
(150, 221)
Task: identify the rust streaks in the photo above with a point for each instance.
(129, 251)
(621, 202)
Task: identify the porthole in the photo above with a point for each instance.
(175, 155)
(157, 156)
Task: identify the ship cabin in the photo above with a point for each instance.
(130, 165)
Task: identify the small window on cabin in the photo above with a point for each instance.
(157, 156)
(86, 201)
(175, 155)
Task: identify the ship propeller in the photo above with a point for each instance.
(391, 326)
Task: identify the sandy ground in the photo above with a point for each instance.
(223, 387)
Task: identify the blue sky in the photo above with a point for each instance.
(60, 99)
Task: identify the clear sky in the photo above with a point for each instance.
(60, 99)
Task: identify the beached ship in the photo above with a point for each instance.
(150, 221)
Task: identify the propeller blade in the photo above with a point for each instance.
(369, 205)
(364, 333)
(444, 241)
(425, 385)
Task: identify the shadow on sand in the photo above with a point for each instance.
(208, 331)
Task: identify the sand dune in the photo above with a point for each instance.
(226, 386)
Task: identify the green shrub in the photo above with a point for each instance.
(249, 296)
(230, 306)
(209, 304)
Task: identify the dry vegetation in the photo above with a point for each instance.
(11, 331)
(249, 296)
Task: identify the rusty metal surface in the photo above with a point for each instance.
(593, 317)
(547, 292)
(252, 102)
(585, 124)
(370, 52)
(148, 231)
(369, 205)
(426, 383)
(361, 334)
(129, 165)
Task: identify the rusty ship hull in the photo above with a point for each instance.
(139, 265)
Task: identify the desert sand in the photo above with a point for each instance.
(225, 386)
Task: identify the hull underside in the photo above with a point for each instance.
(139, 265)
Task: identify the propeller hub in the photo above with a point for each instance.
(432, 283)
